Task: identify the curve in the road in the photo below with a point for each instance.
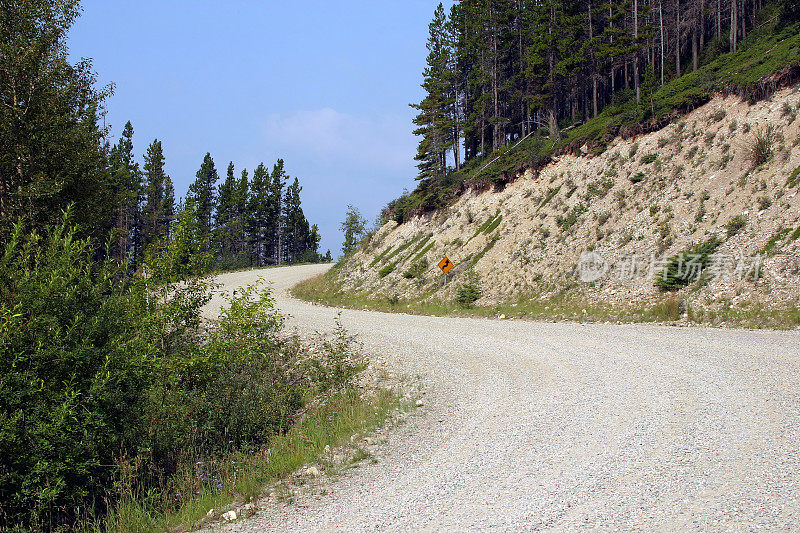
(535, 425)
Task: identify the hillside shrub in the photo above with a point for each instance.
(416, 269)
(735, 225)
(686, 267)
(468, 292)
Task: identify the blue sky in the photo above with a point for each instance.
(324, 85)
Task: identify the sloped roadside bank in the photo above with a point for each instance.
(723, 181)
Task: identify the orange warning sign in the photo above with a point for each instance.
(446, 265)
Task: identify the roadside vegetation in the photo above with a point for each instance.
(123, 409)
(121, 406)
(568, 303)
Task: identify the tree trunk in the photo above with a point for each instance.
(661, 27)
(636, 54)
(678, 39)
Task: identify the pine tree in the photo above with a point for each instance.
(225, 216)
(275, 215)
(258, 219)
(240, 201)
(434, 119)
(202, 192)
(158, 204)
(126, 182)
(301, 239)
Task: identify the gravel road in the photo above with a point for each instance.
(530, 425)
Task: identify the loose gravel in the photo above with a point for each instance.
(529, 425)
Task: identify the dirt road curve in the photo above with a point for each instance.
(535, 425)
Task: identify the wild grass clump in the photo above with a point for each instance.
(735, 225)
(761, 150)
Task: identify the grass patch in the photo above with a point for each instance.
(489, 246)
(380, 257)
(388, 269)
(794, 178)
(772, 244)
(242, 476)
(567, 304)
(551, 193)
(424, 251)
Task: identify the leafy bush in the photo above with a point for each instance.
(470, 291)
(638, 177)
(113, 385)
(73, 369)
(649, 158)
(764, 202)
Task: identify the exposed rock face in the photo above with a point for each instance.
(640, 202)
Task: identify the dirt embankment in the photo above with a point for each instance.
(634, 207)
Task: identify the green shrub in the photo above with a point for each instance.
(388, 269)
(114, 386)
(572, 217)
(638, 177)
(470, 291)
(73, 373)
(678, 273)
(416, 269)
(764, 202)
(649, 158)
(735, 225)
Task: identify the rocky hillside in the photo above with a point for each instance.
(711, 197)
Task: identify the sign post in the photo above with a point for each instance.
(446, 265)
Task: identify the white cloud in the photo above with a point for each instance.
(383, 141)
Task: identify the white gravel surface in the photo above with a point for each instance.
(530, 425)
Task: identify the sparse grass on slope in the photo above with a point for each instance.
(568, 304)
